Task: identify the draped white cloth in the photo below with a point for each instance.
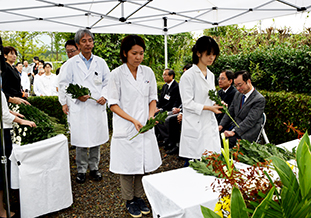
(41, 171)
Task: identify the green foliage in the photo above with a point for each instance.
(151, 122)
(238, 206)
(286, 107)
(76, 91)
(254, 152)
(27, 44)
(50, 105)
(47, 126)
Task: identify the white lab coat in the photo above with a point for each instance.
(37, 85)
(48, 85)
(6, 115)
(88, 120)
(25, 81)
(199, 130)
(141, 154)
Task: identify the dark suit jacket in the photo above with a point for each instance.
(11, 82)
(174, 100)
(227, 97)
(249, 117)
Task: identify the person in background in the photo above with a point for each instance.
(11, 81)
(246, 109)
(35, 65)
(227, 91)
(28, 70)
(71, 48)
(169, 99)
(132, 99)
(48, 81)
(199, 130)
(88, 118)
(37, 85)
(24, 79)
(8, 117)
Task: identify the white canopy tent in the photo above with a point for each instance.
(156, 17)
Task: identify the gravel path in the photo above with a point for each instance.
(103, 199)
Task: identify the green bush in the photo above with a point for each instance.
(274, 69)
(49, 105)
(286, 107)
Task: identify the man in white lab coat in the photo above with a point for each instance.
(88, 118)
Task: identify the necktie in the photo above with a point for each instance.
(242, 101)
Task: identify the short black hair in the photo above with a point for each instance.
(36, 58)
(71, 42)
(128, 42)
(204, 44)
(245, 74)
(18, 63)
(171, 72)
(41, 61)
(9, 49)
(47, 64)
(229, 74)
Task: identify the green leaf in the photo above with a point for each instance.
(304, 164)
(238, 206)
(208, 213)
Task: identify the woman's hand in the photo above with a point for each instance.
(137, 125)
(17, 100)
(17, 114)
(216, 109)
(28, 123)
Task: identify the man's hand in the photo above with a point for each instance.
(220, 128)
(65, 109)
(84, 98)
(229, 133)
(179, 118)
(175, 110)
(101, 101)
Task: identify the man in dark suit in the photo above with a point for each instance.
(170, 96)
(227, 91)
(246, 109)
(169, 101)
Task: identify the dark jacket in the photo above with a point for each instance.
(249, 117)
(174, 97)
(227, 97)
(11, 82)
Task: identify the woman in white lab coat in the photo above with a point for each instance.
(48, 81)
(199, 125)
(132, 97)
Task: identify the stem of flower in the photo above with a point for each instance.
(134, 136)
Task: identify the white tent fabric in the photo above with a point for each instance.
(157, 17)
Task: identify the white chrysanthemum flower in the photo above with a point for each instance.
(25, 129)
(20, 130)
(24, 134)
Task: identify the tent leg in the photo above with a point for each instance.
(165, 49)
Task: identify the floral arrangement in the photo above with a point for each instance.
(222, 207)
(47, 126)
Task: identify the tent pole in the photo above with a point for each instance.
(165, 49)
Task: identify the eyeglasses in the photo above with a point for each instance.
(239, 85)
(221, 78)
(72, 51)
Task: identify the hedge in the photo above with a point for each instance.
(281, 107)
(273, 69)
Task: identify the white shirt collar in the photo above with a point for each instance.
(249, 93)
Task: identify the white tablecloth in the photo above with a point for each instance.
(179, 193)
(41, 171)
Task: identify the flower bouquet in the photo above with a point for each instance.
(47, 126)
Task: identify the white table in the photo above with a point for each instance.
(41, 171)
(179, 193)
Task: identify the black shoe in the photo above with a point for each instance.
(133, 209)
(95, 175)
(142, 205)
(175, 150)
(80, 178)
